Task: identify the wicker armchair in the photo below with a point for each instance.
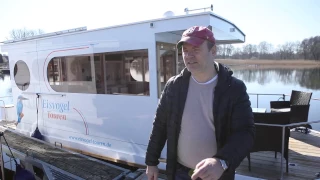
(269, 138)
(299, 105)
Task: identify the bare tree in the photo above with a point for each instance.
(315, 47)
(287, 50)
(309, 48)
(250, 50)
(304, 46)
(23, 33)
(229, 50)
(219, 51)
(223, 50)
(264, 49)
(297, 50)
(237, 53)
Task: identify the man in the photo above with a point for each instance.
(204, 114)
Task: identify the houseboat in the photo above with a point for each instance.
(96, 91)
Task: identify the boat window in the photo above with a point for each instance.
(169, 63)
(125, 72)
(21, 75)
(181, 64)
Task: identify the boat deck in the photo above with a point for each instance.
(304, 160)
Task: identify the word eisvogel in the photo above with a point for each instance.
(56, 106)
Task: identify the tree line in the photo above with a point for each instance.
(15, 34)
(23, 33)
(306, 78)
(308, 49)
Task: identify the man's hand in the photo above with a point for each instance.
(152, 172)
(208, 169)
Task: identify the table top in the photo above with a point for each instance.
(259, 110)
(280, 110)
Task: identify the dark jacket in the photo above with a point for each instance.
(233, 120)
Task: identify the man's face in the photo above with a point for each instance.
(196, 59)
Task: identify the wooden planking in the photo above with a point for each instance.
(272, 162)
(275, 168)
(304, 152)
(269, 175)
(72, 163)
(262, 169)
(293, 156)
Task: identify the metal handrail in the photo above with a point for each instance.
(283, 135)
(288, 125)
(4, 106)
(274, 94)
(5, 96)
(51, 94)
(270, 94)
(5, 112)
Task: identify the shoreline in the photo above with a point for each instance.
(265, 64)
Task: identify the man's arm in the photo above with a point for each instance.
(241, 139)
(158, 135)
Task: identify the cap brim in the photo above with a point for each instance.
(190, 40)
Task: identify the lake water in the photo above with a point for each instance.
(263, 81)
(282, 81)
(5, 89)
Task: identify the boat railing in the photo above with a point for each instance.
(5, 112)
(3, 103)
(282, 96)
(1, 97)
(284, 126)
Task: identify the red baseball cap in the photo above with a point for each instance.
(196, 35)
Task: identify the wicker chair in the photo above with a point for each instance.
(299, 105)
(269, 138)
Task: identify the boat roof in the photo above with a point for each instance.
(84, 29)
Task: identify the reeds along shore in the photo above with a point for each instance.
(270, 63)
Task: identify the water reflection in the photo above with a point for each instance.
(307, 78)
(5, 89)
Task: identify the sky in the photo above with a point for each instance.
(274, 21)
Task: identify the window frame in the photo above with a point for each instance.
(15, 71)
(143, 54)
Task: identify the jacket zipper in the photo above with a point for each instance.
(215, 110)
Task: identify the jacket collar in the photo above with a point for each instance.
(224, 75)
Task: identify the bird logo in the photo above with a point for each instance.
(20, 108)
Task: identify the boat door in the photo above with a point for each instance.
(169, 63)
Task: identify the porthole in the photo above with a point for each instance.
(21, 75)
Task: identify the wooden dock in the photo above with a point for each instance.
(81, 166)
(304, 160)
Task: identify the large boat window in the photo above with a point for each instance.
(125, 72)
(21, 75)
